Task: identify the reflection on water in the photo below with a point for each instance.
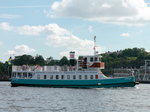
(38, 99)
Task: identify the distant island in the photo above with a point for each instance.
(127, 58)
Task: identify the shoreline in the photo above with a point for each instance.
(4, 80)
(144, 82)
(140, 82)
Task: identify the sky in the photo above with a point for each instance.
(56, 27)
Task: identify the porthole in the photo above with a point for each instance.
(57, 76)
(74, 77)
(80, 77)
(44, 76)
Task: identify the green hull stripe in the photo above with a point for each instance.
(116, 82)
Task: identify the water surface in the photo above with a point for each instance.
(38, 99)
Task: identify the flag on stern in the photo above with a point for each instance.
(10, 61)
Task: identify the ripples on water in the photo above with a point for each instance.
(38, 99)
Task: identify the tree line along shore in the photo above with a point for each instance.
(127, 58)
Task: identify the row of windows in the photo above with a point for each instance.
(69, 77)
(94, 59)
(22, 75)
(30, 75)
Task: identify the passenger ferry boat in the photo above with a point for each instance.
(85, 74)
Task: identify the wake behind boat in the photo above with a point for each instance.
(85, 74)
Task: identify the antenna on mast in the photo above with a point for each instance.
(94, 46)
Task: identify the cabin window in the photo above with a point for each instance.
(62, 77)
(30, 75)
(19, 75)
(14, 74)
(85, 76)
(38, 76)
(95, 59)
(57, 76)
(85, 60)
(91, 59)
(68, 76)
(96, 76)
(51, 76)
(74, 77)
(44, 76)
(24, 75)
(80, 77)
(91, 77)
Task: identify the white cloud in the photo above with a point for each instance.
(23, 30)
(128, 12)
(82, 51)
(105, 5)
(62, 38)
(125, 35)
(20, 50)
(5, 26)
(30, 30)
(56, 37)
(148, 50)
(9, 16)
(90, 29)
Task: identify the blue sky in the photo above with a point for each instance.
(55, 27)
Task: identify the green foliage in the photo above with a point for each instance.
(135, 52)
(63, 61)
(24, 60)
(29, 60)
(50, 61)
(72, 62)
(128, 58)
(39, 60)
(80, 57)
(2, 68)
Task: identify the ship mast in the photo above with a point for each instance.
(94, 46)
